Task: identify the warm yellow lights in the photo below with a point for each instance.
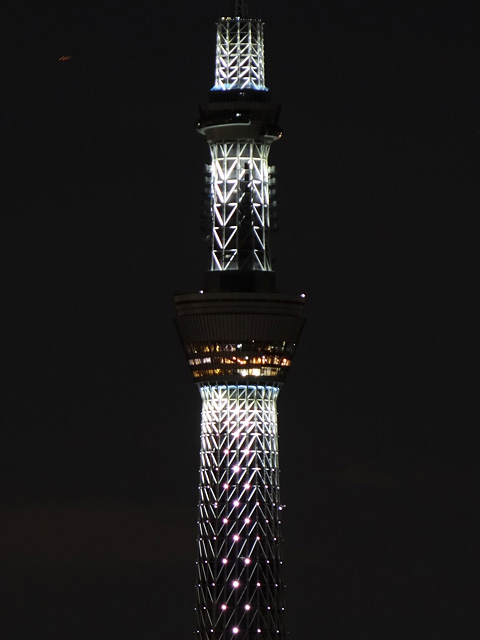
(254, 359)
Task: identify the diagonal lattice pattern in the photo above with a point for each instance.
(239, 187)
(240, 590)
(239, 60)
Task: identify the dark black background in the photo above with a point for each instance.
(101, 182)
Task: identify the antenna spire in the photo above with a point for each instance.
(241, 9)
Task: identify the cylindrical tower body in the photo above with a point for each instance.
(239, 335)
(239, 347)
(240, 584)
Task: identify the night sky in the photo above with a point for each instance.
(100, 201)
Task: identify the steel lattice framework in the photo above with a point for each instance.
(239, 336)
(239, 60)
(240, 586)
(239, 181)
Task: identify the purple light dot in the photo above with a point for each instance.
(236, 583)
(224, 607)
(247, 561)
(236, 538)
(224, 561)
(236, 503)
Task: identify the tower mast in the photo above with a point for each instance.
(241, 8)
(239, 335)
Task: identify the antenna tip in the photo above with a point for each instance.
(241, 9)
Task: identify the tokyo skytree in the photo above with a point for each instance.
(239, 335)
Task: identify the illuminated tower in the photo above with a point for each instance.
(239, 335)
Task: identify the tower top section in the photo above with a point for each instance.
(239, 59)
(240, 124)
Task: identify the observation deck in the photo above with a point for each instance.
(239, 114)
(233, 337)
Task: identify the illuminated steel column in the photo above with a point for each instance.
(239, 334)
(240, 124)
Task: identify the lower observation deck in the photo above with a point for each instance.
(231, 337)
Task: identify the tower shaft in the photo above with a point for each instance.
(239, 335)
(240, 585)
